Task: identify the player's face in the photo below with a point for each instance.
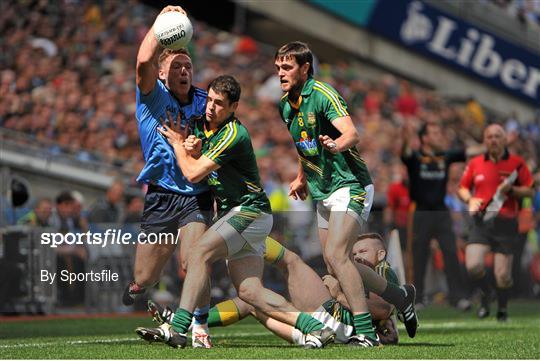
(494, 139)
(291, 75)
(365, 251)
(177, 71)
(218, 107)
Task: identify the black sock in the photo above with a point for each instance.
(395, 295)
(502, 298)
(483, 284)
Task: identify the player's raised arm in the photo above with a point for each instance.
(147, 70)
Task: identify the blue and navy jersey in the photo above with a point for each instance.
(161, 167)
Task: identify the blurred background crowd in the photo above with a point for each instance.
(68, 87)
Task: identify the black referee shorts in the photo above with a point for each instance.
(500, 234)
(166, 211)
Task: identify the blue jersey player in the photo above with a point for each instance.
(172, 203)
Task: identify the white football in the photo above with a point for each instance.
(173, 30)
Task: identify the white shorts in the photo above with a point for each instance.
(247, 240)
(356, 202)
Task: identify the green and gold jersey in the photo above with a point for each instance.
(319, 104)
(384, 270)
(237, 181)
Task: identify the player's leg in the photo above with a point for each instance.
(306, 289)
(149, 262)
(190, 234)
(447, 241)
(246, 274)
(474, 261)
(209, 248)
(342, 231)
(422, 226)
(502, 268)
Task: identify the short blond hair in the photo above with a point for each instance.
(168, 52)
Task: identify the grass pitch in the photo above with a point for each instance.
(444, 333)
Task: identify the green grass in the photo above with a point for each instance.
(444, 333)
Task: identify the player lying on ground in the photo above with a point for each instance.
(223, 154)
(315, 299)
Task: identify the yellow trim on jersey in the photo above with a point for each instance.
(312, 166)
(252, 187)
(356, 156)
(297, 104)
(225, 141)
(207, 133)
(283, 97)
(248, 214)
(334, 99)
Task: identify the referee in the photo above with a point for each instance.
(428, 175)
(492, 185)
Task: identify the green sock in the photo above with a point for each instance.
(363, 325)
(306, 324)
(181, 320)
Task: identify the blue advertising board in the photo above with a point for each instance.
(459, 44)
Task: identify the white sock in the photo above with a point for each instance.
(298, 337)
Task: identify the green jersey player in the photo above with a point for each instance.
(337, 178)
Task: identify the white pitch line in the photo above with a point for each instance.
(114, 340)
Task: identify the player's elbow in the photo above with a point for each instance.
(193, 177)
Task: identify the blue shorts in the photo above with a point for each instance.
(166, 211)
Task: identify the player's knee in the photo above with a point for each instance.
(249, 291)
(475, 270)
(335, 260)
(503, 279)
(291, 259)
(145, 278)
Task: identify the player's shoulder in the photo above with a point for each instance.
(199, 93)
(239, 129)
(515, 158)
(323, 88)
(478, 159)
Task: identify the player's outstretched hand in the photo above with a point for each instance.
(328, 143)
(174, 132)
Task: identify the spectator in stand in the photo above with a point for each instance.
(109, 209)
(40, 216)
(406, 103)
(396, 213)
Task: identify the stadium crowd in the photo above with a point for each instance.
(527, 12)
(69, 86)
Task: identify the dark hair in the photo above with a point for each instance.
(228, 85)
(299, 51)
(64, 197)
(372, 236)
(167, 52)
(424, 129)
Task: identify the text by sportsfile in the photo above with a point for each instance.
(109, 237)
